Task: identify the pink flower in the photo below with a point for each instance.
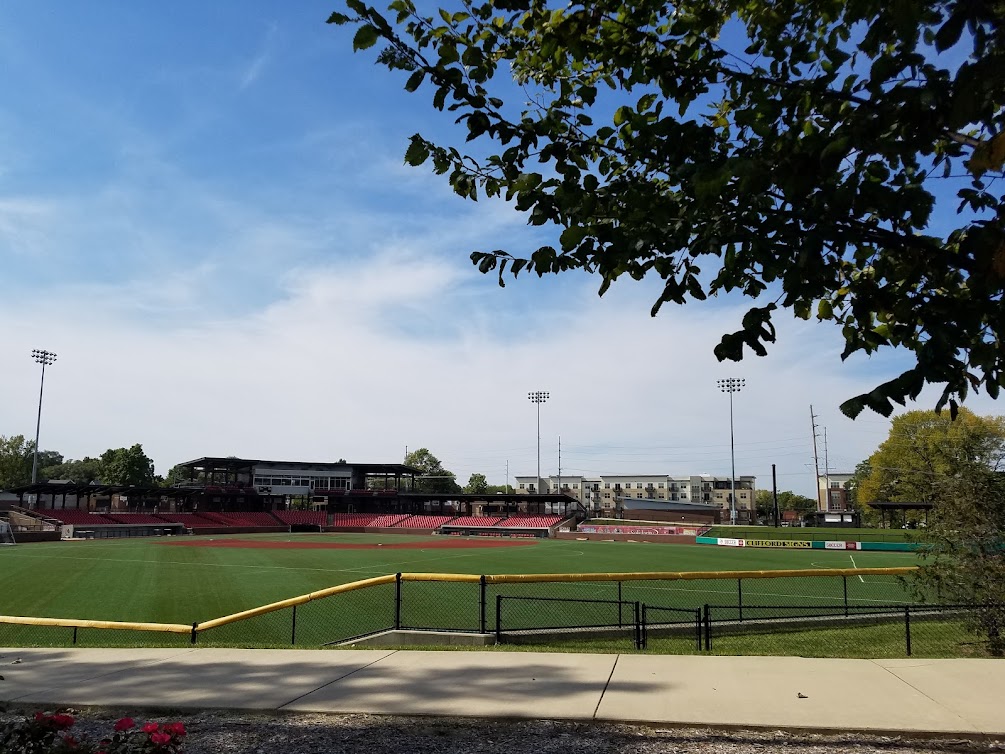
(151, 728)
(175, 729)
(159, 739)
(61, 722)
(125, 724)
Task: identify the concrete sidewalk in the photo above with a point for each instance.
(898, 696)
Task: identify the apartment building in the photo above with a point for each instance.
(602, 494)
(832, 491)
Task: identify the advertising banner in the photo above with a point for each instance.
(787, 543)
(725, 542)
(836, 545)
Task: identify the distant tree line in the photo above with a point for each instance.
(114, 466)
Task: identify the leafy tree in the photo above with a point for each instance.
(430, 466)
(16, 455)
(177, 475)
(84, 471)
(127, 466)
(924, 448)
(787, 150)
(477, 485)
(964, 555)
(787, 501)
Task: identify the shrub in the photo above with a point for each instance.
(48, 734)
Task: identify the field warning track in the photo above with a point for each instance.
(438, 544)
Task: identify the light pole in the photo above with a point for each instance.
(45, 358)
(731, 385)
(538, 397)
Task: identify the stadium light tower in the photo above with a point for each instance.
(731, 385)
(45, 358)
(538, 397)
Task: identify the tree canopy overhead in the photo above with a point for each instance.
(805, 153)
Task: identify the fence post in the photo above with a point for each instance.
(397, 601)
(907, 627)
(844, 581)
(739, 598)
(499, 619)
(708, 628)
(697, 629)
(481, 605)
(195, 628)
(293, 632)
(645, 628)
(638, 627)
(620, 604)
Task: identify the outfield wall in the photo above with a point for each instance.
(677, 539)
(806, 544)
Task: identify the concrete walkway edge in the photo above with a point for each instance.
(912, 696)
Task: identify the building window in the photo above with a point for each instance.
(523, 486)
(661, 485)
(638, 494)
(607, 494)
(607, 486)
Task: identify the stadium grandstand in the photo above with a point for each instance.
(235, 495)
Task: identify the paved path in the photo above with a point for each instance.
(904, 696)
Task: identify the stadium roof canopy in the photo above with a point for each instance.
(74, 488)
(231, 463)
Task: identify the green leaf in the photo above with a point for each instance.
(571, 237)
(950, 32)
(366, 37)
(622, 114)
(417, 152)
(338, 19)
(415, 80)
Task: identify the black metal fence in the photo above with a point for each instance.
(856, 613)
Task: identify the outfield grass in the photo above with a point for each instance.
(152, 580)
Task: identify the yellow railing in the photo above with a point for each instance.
(514, 578)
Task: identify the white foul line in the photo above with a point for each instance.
(855, 566)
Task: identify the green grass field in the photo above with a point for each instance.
(153, 580)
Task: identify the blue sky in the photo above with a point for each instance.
(204, 211)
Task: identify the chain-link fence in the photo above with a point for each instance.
(857, 612)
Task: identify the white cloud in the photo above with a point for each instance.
(328, 371)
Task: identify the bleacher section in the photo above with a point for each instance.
(75, 517)
(355, 520)
(423, 521)
(476, 520)
(135, 518)
(249, 518)
(531, 522)
(217, 521)
(190, 520)
(312, 518)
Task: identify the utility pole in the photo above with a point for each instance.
(559, 468)
(827, 475)
(816, 457)
(774, 493)
(731, 385)
(45, 358)
(507, 477)
(538, 397)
